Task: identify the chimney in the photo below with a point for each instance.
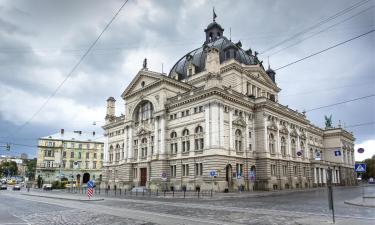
(93, 133)
(62, 131)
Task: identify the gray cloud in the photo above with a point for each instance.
(40, 41)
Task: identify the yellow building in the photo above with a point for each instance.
(72, 155)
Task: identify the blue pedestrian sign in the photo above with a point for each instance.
(360, 167)
(90, 184)
(338, 152)
(213, 173)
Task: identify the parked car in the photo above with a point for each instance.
(17, 187)
(4, 187)
(47, 187)
(11, 181)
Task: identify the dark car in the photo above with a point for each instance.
(3, 187)
(17, 187)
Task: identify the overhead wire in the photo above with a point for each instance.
(308, 29)
(72, 70)
(339, 103)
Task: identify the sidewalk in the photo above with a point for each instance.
(366, 201)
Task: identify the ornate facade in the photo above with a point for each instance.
(218, 110)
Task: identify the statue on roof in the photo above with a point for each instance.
(328, 121)
(145, 64)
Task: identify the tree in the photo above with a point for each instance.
(30, 168)
(8, 169)
(370, 168)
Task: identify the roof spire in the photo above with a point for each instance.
(213, 14)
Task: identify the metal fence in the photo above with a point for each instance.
(143, 193)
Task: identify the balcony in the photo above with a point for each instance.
(43, 166)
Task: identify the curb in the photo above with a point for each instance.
(359, 204)
(62, 198)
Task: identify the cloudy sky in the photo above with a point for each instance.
(41, 41)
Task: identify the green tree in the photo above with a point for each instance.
(8, 169)
(370, 168)
(31, 168)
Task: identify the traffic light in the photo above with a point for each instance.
(8, 147)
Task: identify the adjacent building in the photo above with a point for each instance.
(72, 155)
(215, 121)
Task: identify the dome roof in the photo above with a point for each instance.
(227, 50)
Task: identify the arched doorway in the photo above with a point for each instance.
(228, 176)
(86, 178)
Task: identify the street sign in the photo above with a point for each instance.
(338, 152)
(361, 150)
(360, 167)
(213, 173)
(90, 184)
(299, 153)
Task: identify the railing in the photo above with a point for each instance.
(123, 193)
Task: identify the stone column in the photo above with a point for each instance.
(315, 177)
(337, 176)
(221, 125)
(156, 136)
(162, 137)
(324, 176)
(130, 150)
(246, 133)
(215, 131)
(333, 176)
(278, 140)
(230, 129)
(207, 125)
(125, 144)
(266, 141)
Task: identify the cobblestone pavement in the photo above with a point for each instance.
(310, 207)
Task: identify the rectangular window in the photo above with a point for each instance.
(182, 114)
(94, 165)
(94, 155)
(173, 171)
(87, 155)
(285, 170)
(187, 112)
(80, 146)
(86, 164)
(250, 147)
(273, 170)
(64, 154)
(295, 170)
(101, 156)
(79, 155)
(171, 117)
(200, 108)
(71, 154)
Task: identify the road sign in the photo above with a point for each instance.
(213, 173)
(90, 184)
(360, 167)
(338, 152)
(361, 150)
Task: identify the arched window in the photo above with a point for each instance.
(144, 111)
(199, 141)
(283, 146)
(238, 141)
(311, 153)
(302, 146)
(293, 147)
(117, 153)
(144, 147)
(174, 146)
(185, 141)
(271, 143)
(111, 153)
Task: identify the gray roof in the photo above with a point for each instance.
(75, 136)
(198, 57)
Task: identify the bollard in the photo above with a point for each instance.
(120, 191)
(164, 192)
(198, 194)
(136, 192)
(211, 193)
(157, 192)
(125, 192)
(184, 192)
(115, 192)
(173, 193)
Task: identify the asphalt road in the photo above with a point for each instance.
(309, 207)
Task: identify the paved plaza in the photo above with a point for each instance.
(302, 207)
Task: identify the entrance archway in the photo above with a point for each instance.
(86, 178)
